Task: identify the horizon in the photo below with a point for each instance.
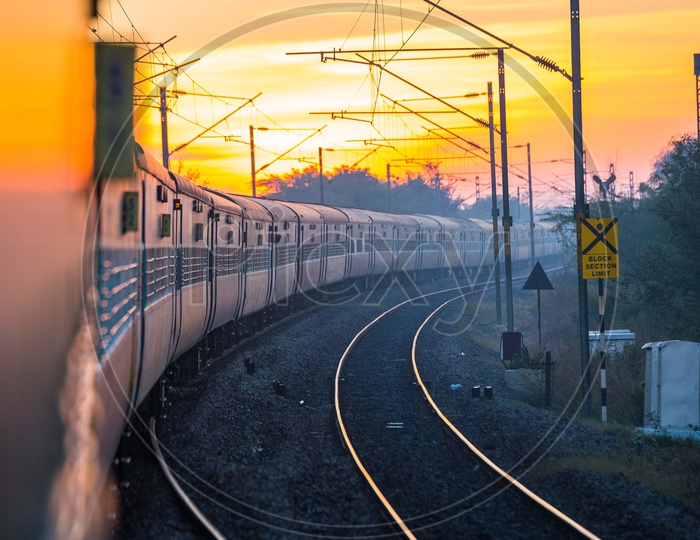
(637, 93)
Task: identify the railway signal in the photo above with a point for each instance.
(538, 281)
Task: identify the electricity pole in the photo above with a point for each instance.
(696, 61)
(507, 219)
(388, 186)
(494, 209)
(252, 159)
(532, 211)
(580, 204)
(320, 171)
(164, 128)
(580, 209)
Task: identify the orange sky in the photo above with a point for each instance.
(46, 97)
(637, 65)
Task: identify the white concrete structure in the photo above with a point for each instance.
(615, 340)
(672, 391)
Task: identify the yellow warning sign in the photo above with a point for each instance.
(599, 248)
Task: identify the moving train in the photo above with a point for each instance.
(104, 284)
(180, 270)
(177, 264)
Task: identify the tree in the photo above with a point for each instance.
(672, 266)
(191, 173)
(422, 193)
(660, 246)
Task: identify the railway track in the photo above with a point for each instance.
(253, 464)
(421, 473)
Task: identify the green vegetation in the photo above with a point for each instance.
(666, 465)
(658, 294)
(424, 193)
(657, 297)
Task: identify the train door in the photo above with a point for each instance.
(323, 271)
(395, 248)
(242, 266)
(368, 247)
(348, 251)
(212, 246)
(299, 239)
(273, 242)
(177, 296)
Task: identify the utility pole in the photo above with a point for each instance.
(532, 211)
(519, 212)
(320, 171)
(252, 159)
(632, 185)
(388, 187)
(494, 209)
(696, 59)
(164, 127)
(507, 219)
(580, 210)
(585, 176)
(602, 344)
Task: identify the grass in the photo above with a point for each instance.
(665, 465)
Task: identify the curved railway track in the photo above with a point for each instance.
(429, 486)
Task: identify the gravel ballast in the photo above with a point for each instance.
(283, 472)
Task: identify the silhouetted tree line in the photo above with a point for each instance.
(425, 192)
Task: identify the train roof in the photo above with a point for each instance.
(280, 211)
(223, 203)
(356, 216)
(149, 164)
(250, 209)
(330, 214)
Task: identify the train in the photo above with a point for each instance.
(181, 271)
(178, 266)
(107, 284)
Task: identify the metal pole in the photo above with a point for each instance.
(252, 159)
(585, 176)
(519, 205)
(507, 219)
(632, 185)
(532, 211)
(320, 171)
(696, 64)
(388, 186)
(580, 207)
(601, 336)
(164, 128)
(547, 378)
(494, 209)
(539, 320)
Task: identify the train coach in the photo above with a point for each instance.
(181, 269)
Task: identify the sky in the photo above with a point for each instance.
(638, 88)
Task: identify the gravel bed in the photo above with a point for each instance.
(516, 436)
(283, 472)
(433, 481)
(279, 457)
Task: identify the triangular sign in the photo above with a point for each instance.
(538, 280)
